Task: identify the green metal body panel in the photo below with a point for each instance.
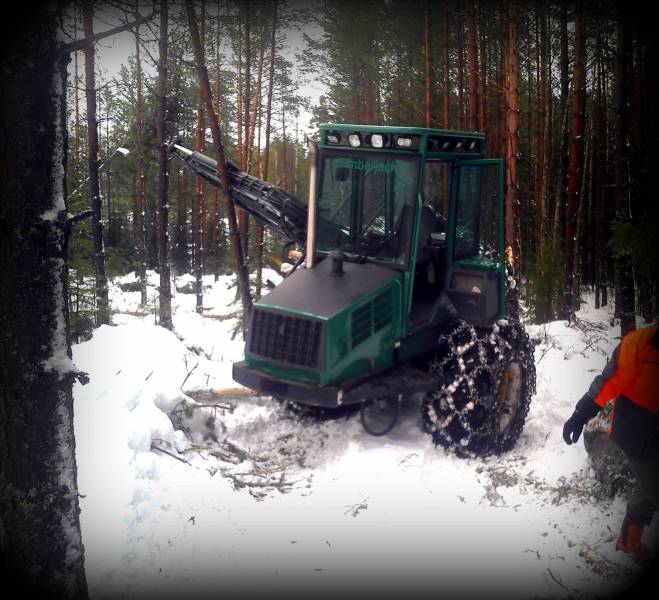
(343, 359)
(401, 338)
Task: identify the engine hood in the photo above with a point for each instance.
(316, 292)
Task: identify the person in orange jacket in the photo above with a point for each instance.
(631, 381)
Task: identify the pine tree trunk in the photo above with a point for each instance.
(197, 210)
(248, 83)
(446, 115)
(234, 235)
(460, 51)
(239, 100)
(541, 81)
(165, 304)
(502, 106)
(473, 67)
(215, 192)
(576, 158)
(482, 124)
(200, 200)
(426, 61)
(624, 293)
(512, 156)
(599, 175)
(140, 196)
(77, 170)
(564, 104)
(41, 550)
(255, 110)
(266, 152)
(182, 225)
(102, 301)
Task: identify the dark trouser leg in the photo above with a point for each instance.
(644, 500)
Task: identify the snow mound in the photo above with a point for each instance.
(188, 491)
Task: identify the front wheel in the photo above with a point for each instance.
(379, 415)
(492, 380)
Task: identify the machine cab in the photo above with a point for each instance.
(423, 202)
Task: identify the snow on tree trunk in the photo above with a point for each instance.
(40, 539)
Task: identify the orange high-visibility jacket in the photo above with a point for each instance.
(633, 371)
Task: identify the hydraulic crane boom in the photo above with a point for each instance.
(271, 206)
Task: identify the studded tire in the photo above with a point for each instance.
(492, 380)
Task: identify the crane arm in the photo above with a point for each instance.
(270, 205)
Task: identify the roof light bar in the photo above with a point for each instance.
(455, 143)
(377, 141)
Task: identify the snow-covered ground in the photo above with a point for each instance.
(242, 498)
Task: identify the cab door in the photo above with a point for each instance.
(475, 247)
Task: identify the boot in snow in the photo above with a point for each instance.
(629, 539)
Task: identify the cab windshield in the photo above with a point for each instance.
(366, 205)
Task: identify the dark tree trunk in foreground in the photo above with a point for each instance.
(102, 303)
(40, 540)
(165, 304)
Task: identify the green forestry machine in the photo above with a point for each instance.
(399, 292)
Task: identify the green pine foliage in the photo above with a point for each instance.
(638, 240)
(543, 289)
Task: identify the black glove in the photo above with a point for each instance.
(586, 409)
(573, 427)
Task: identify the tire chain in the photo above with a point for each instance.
(459, 416)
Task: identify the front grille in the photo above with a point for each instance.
(285, 338)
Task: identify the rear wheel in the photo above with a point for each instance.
(492, 379)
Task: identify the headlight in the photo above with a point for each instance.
(354, 140)
(404, 142)
(377, 141)
(333, 138)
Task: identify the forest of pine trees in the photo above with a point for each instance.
(563, 90)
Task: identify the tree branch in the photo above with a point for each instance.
(81, 44)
